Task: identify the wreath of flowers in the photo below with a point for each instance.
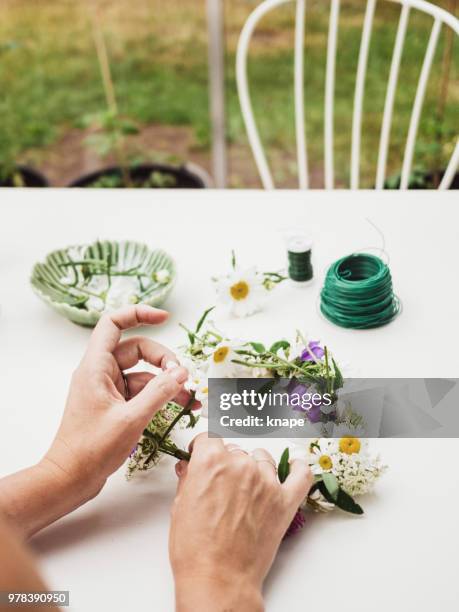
(343, 467)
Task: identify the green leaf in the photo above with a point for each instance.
(323, 489)
(339, 381)
(346, 503)
(283, 469)
(203, 318)
(258, 347)
(331, 483)
(192, 420)
(280, 344)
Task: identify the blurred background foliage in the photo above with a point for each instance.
(50, 80)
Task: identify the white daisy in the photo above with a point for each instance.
(241, 291)
(323, 456)
(347, 430)
(220, 361)
(198, 383)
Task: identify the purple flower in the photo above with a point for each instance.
(314, 413)
(297, 524)
(313, 350)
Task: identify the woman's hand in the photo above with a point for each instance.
(105, 415)
(228, 519)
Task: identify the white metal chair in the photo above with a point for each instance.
(440, 18)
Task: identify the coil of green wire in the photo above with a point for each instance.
(358, 293)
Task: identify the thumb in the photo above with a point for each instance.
(160, 390)
(181, 469)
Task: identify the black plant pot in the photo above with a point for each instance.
(172, 177)
(30, 178)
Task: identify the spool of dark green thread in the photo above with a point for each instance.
(358, 293)
(299, 259)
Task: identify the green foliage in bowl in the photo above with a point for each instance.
(83, 282)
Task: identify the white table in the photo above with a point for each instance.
(112, 553)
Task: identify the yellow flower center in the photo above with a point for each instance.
(325, 462)
(349, 445)
(240, 290)
(220, 354)
(205, 390)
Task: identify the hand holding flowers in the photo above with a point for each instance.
(342, 468)
(231, 506)
(105, 415)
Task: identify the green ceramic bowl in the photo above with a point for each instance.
(69, 278)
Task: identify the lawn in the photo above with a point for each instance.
(50, 79)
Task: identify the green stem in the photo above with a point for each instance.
(276, 275)
(84, 262)
(178, 453)
(181, 414)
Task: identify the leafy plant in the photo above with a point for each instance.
(9, 152)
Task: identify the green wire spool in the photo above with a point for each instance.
(358, 293)
(299, 259)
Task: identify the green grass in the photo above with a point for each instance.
(50, 78)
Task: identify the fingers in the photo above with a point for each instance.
(202, 445)
(235, 448)
(107, 332)
(136, 381)
(183, 398)
(159, 390)
(181, 469)
(129, 352)
(298, 482)
(265, 462)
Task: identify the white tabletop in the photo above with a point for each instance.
(112, 553)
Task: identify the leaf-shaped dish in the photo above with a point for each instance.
(81, 282)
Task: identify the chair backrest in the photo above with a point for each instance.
(440, 18)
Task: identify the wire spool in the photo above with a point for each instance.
(299, 259)
(358, 293)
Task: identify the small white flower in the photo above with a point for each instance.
(198, 383)
(95, 303)
(241, 292)
(122, 292)
(347, 429)
(69, 278)
(162, 276)
(323, 456)
(220, 362)
(357, 473)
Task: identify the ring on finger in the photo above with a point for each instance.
(236, 449)
(126, 385)
(267, 461)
